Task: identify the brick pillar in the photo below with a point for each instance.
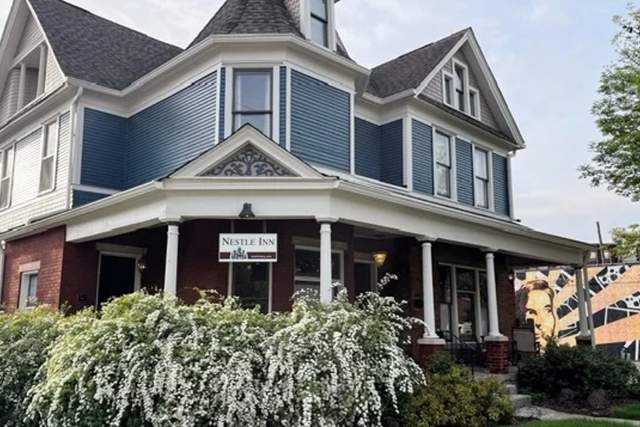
(498, 356)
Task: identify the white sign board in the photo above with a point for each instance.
(248, 248)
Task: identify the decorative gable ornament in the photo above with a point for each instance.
(249, 162)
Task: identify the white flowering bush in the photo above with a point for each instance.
(25, 338)
(152, 361)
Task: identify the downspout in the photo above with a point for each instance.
(74, 143)
(3, 246)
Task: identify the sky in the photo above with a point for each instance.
(547, 56)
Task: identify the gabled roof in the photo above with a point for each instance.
(250, 17)
(97, 50)
(409, 70)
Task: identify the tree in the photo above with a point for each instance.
(616, 162)
(627, 241)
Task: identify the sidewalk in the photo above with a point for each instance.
(546, 414)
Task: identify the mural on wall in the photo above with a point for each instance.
(547, 298)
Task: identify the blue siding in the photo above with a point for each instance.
(368, 149)
(464, 166)
(501, 184)
(104, 149)
(422, 158)
(168, 134)
(283, 106)
(223, 95)
(392, 156)
(320, 122)
(81, 198)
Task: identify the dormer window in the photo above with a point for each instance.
(320, 22)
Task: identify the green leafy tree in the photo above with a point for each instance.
(616, 162)
(627, 241)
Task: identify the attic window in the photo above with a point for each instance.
(460, 87)
(320, 22)
(448, 89)
(32, 71)
(474, 102)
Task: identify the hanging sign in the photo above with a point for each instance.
(248, 248)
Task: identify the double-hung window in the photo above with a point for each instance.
(481, 172)
(460, 87)
(448, 89)
(307, 268)
(320, 22)
(6, 175)
(252, 99)
(474, 103)
(443, 164)
(48, 161)
(28, 290)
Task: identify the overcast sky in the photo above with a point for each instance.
(546, 54)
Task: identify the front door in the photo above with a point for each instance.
(117, 277)
(364, 276)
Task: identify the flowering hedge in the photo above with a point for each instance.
(149, 360)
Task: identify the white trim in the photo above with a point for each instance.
(448, 76)
(477, 104)
(31, 266)
(465, 86)
(453, 190)
(288, 144)
(228, 101)
(312, 248)
(311, 73)
(218, 98)
(492, 196)
(23, 303)
(352, 134)
(423, 86)
(94, 189)
(120, 252)
(509, 187)
(407, 150)
(476, 148)
(10, 177)
(275, 104)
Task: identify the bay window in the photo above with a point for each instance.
(481, 178)
(320, 22)
(252, 99)
(6, 175)
(443, 166)
(48, 160)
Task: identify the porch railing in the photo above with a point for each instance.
(466, 353)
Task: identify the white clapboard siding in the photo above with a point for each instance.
(9, 98)
(53, 77)
(31, 36)
(25, 202)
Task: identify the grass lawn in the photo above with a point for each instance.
(573, 423)
(628, 412)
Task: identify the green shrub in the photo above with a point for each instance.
(25, 338)
(152, 361)
(451, 397)
(580, 369)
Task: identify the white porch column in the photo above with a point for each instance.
(429, 303)
(582, 309)
(42, 72)
(326, 276)
(171, 261)
(492, 297)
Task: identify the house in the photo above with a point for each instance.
(259, 161)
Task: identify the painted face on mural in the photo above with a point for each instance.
(539, 309)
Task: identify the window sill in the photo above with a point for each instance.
(46, 192)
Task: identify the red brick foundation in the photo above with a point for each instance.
(422, 352)
(498, 356)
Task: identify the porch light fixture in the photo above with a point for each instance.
(142, 265)
(247, 212)
(380, 257)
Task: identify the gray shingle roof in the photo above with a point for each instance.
(97, 50)
(250, 17)
(409, 70)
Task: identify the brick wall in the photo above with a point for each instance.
(46, 248)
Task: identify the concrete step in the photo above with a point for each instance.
(512, 389)
(520, 400)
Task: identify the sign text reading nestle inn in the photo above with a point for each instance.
(248, 248)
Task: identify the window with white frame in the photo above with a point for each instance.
(443, 164)
(481, 172)
(460, 85)
(320, 22)
(448, 89)
(28, 290)
(48, 161)
(252, 99)
(474, 102)
(307, 268)
(6, 175)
